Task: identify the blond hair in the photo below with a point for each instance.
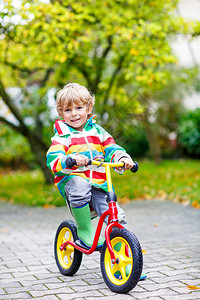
(73, 93)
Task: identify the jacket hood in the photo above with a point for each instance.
(63, 129)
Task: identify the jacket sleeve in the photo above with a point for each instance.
(112, 151)
(56, 156)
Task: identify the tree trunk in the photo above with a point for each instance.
(37, 145)
(40, 156)
(152, 138)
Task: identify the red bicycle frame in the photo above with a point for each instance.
(112, 214)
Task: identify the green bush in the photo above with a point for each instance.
(131, 137)
(189, 132)
(137, 145)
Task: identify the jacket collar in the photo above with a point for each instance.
(63, 129)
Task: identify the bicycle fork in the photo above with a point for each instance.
(113, 214)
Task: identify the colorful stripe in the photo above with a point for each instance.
(93, 141)
(108, 142)
(84, 148)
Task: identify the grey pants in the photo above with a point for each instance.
(80, 192)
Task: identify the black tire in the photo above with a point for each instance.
(124, 275)
(68, 260)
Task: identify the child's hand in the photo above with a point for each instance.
(128, 163)
(81, 160)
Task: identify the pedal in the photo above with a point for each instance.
(81, 244)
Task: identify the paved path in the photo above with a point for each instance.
(170, 234)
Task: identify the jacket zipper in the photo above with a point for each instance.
(90, 150)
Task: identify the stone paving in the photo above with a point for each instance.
(168, 232)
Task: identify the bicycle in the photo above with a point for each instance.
(121, 256)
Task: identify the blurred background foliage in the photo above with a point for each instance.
(189, 132)
(121, 51)
(15, 151)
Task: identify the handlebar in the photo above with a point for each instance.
(71, 162)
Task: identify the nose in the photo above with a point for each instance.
(73, 112)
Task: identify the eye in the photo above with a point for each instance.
(67, 109)
(79, 107)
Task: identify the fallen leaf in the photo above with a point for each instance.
(5, 230)
(193, 287)
(147, 196)
(161, 195)
(144, 251)
(196, 204)
(124, 200)
(156, 225)
(47, 206)
(186, 203)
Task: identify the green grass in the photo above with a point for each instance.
(172, 180)
(27, 187)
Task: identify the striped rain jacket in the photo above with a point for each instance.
(93, 140)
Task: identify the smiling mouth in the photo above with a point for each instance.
(75, 120)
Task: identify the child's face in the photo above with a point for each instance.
(76, 115)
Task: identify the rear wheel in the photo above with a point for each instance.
(124, 275)
(68, 260)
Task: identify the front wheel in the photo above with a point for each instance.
(68, 260)
(124, 275)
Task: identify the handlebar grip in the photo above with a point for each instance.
(135, 168)
(70, 162)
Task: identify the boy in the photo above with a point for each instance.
(80, 137)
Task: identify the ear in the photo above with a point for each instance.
(90, 109)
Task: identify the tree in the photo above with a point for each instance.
(119, 49)
(163, 108)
